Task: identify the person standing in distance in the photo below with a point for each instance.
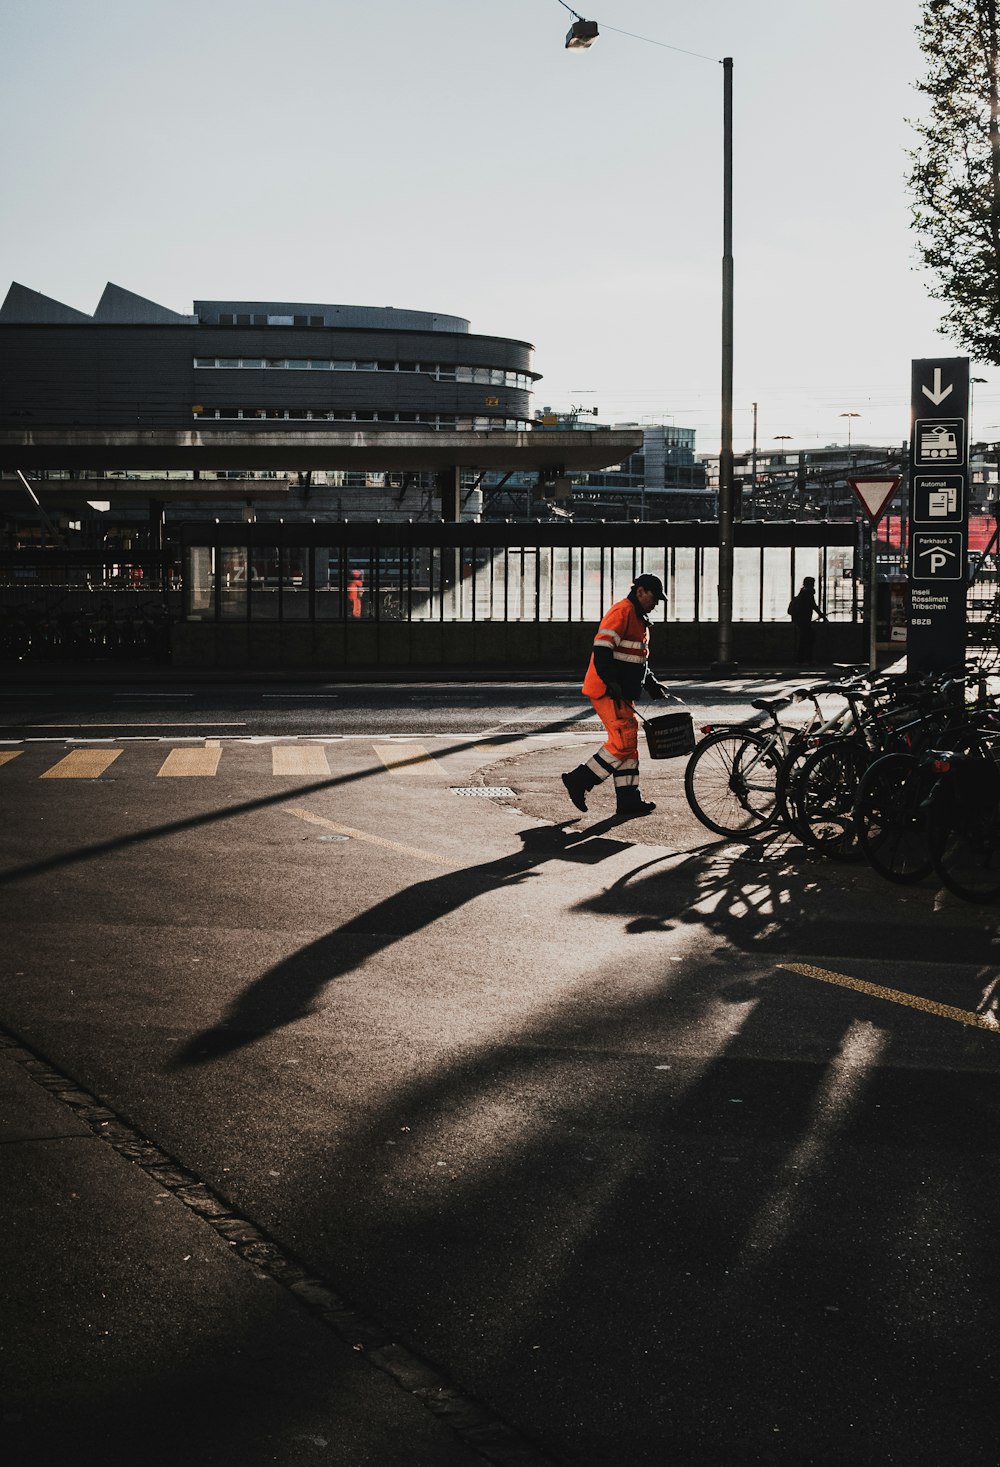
(617, 674)
(802, 608)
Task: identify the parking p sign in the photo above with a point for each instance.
(938, 557)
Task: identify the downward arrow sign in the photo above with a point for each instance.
(939, 394)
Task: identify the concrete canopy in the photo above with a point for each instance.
(134, 449)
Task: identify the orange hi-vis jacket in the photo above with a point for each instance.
(621, 651)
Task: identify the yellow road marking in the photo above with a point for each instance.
(190, 763)
(374, 840)
(8, 754)
(895, 995)
(402, 756)
(307, 759)
(82, 764)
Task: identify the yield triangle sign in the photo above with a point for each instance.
(874, 494)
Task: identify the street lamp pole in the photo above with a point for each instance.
(582, 34)
(726, 515)
(849, 416)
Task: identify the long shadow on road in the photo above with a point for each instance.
(699, 1213)
(289, 990)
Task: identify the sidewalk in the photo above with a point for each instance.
(138, 1324)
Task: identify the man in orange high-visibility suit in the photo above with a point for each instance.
(618, 673)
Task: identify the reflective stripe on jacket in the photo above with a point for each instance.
(621, 651)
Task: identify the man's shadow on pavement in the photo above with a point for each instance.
(288, 991)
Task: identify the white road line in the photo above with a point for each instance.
(374, 840)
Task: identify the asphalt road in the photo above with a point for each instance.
(662, 1148)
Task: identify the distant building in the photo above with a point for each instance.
(253, 364)
(663, 481)
(259, 367)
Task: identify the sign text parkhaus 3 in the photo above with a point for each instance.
(939, 513)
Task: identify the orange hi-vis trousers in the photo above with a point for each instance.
(620, 754)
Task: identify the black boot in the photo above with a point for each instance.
(578, 781)
(630, 802)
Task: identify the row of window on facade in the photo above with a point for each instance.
(439, 421)
(485, 376)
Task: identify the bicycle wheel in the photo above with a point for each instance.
(730, 781)
(889, 818)
(964, 830)
(823, 795)
(791, 767)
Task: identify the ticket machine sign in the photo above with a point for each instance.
(938, 499)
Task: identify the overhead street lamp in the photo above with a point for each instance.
(849, 416)
(582, 34)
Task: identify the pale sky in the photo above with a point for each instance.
(452, 156)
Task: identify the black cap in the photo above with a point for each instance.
(650, 583)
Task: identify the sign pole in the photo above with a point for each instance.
(872, 597)
(874, 495)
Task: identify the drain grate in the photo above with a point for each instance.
(481, 789)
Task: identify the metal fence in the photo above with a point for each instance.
(419, 572)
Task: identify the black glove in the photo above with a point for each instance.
(655, 689)
(614, 690)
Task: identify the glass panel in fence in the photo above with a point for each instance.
(295, 583)
(841, 588)
(708, 583)
(389, 602)
(777, 585)
(265, 580)
(681, 602)
(421, 572)
(329, 579)
(198, 582)
(233, 572)
(595, 584)
(360, 586)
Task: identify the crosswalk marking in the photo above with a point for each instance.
(306, 759)
(403, 756)
(190, 763)
(82, 764)
(301, 759)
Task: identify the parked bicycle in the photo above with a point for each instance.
(737, 778)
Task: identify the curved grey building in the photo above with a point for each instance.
(252, 365)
